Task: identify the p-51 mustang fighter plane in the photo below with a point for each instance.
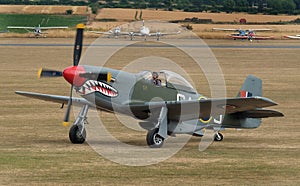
(37, 31)
(182, 109)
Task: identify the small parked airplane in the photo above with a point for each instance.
(182, 109)
(114, 32)
(292, 37)
(246, 34)
(37, 31)
(145, 32)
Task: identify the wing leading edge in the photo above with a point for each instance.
(55, 98)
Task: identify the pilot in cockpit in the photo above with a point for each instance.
(156, 81)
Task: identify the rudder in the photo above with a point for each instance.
(251, 87)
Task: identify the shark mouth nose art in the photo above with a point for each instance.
(92, 86)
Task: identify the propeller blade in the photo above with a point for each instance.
(67, 115)
(76, 59)
(49, 73)
(78, 44)
(207, 139)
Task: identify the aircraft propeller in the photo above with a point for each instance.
(72, 70)
(76, 59)
(75, 74)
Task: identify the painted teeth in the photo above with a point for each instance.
(93, 86)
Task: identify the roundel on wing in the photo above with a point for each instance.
(204, 119)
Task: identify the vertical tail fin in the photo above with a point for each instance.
(251, 87)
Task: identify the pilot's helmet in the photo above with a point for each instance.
(155, 74)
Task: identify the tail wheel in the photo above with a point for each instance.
(154, 140)
(76, 135)
(218, 137)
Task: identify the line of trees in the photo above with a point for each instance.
(44, 2)
(250, 6)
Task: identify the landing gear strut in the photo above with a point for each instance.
(155, 137)
(77, 133)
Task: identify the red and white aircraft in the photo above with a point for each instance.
(246, 34)
(292, 37)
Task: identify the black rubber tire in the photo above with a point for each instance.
(218, 137)
(153, 139)
(75, 136)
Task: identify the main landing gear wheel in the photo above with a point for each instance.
(76, 136)
(218, 137)
(154, 140)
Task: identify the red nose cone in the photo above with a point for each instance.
(71, 74)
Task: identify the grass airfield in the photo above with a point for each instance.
(35, 148)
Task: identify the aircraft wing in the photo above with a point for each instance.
(53, 27)
(262, 37)
(98, 32)
(259, 29)
(226, 29)
(293, 37)
(21, 27)
(247, 30)
(164, 34)
(136, 34)
(188, 110)
(55, 98)
(109, 33)
(261, 113)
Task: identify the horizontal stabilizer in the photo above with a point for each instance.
(261, 113)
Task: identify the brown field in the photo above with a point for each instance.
(128, 15)
(35, 148)
(41, 9)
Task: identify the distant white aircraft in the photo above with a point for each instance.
(37, 31)
(143, 32)
(293, 37)
(114, 32)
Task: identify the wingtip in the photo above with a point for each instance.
(273, 103)
(65, 124)
(39, 73)
(80, 26)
